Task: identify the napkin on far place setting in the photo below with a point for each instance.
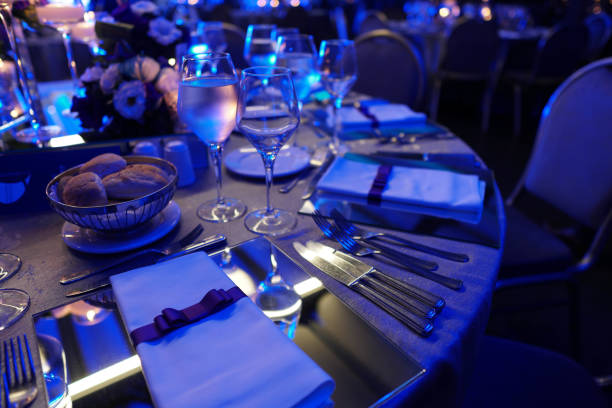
(236, 357)
(387, 114)
(434, 192)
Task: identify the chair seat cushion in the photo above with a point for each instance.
(512, 374)
(530, 249)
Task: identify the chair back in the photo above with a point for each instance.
(561, 51)
(234, 37)
(600, 29)
(473, 47)
(370, 20)
(570, 166)
(390, 68)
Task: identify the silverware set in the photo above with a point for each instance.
(18, 373)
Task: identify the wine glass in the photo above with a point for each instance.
(260, 44)
(207, 104)
(60, 14)
(280, 31)
(337, 64)
(13, 302)
(268, 114)
(298, 53)
(211, 36)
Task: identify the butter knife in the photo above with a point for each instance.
(378, 295)
(208, 244)
(312, 185)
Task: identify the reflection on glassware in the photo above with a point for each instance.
(280, 31)
(207, 104)
(54, 368)
(260, 45)
(210, 37)
(337, 65)
(277, 300)
(13, 304)
(11, 100)
(268, 114)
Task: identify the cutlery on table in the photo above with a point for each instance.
(361, 270)
(312, 185)
(364, 235)
(208, 244)
(141, 258)
(316, 160)
(334, 232)
(377, 294)
(18, 372)
(348, 243)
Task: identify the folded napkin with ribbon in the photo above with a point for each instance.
(202, 343)
(435, 192)
(377, 113)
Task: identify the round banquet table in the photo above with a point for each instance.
(446, 355)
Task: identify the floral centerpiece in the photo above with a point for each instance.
(133, 90)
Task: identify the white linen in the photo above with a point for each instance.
(236, 357)
(386, 114)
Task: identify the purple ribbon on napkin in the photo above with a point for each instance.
(379, 184)
(171, 319)
(364, 110)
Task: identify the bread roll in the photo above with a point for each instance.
(85, 190)
(104, 164)
(135, 181)
(61, 185)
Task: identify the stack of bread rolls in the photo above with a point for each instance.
(108, 177)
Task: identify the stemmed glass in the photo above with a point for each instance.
(60, 14)
(268, 114)
(13, 302)
(211, 36)
(260, 44)
(298, 53)
(207, 101)
(337, 64)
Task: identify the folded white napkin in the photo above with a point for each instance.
(386, 115)
(236, 357)
(427, 191)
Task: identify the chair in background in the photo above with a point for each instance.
(473, 52)
(370, 20)
(390, 68)
(560, 213)
(234, 37)
(560, 53)
(600, 29)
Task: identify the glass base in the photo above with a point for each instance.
(9, 265)
(338, 148)
(278, 222)
(13, 304)
(212, 211)
(280, 304)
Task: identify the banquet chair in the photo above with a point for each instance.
(508, 374)
(560, 213)
(389, 68)
(370, 20)
(473, 52)
(234, 37)
(600, 29)
(560, 52)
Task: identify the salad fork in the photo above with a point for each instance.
(18, 372)
(364, 235)
(355, 248)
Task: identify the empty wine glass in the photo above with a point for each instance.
(13, 302)
(298, 53)
(337, 64)
(211, 36)
(268, 114)
(207, 104)
(260, 45)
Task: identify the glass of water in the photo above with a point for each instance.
(207, 101)
(260, 44)
(268, 114)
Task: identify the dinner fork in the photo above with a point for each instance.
(18, 372)
(364, 235)
(355, 248)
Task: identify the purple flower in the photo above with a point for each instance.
(144, 7)
(129, 100)
(142, 68)
(109, 78)
(164, 31)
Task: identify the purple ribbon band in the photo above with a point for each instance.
(379, 184)
(171, 319)
(364, 110)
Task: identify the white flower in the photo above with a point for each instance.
(167, 81)
(109, 78)
(144, 7)
(145, 69)
(163, 31)
(92, 74)
(129, 100)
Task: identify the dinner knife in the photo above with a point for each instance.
(312, 185)
(360, 269)
(376, 294)
(208, 244)
(145, 257)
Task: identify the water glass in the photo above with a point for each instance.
(268, 114)
(298, 53)
(260, 45)
(55, 372)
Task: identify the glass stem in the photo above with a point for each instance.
(270, 280)
(337, 125)
(216, 152)
(269, 166)
(71, 62)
